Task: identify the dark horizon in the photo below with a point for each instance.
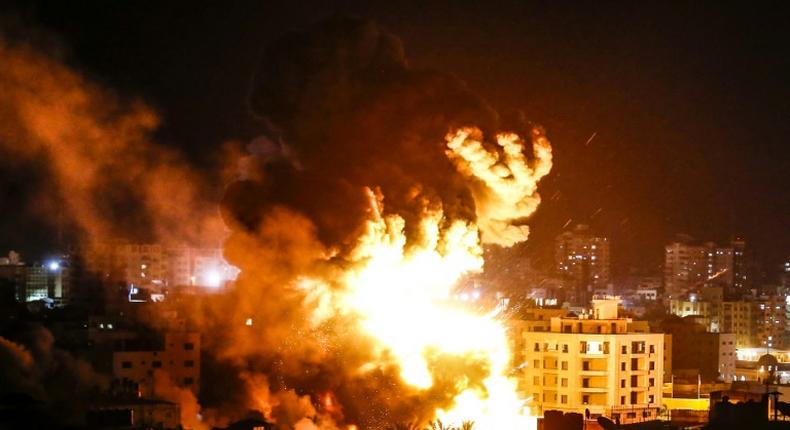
(664, 119)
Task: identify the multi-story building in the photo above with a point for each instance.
(144, 264)
(736, 318)
(176, 353)
(49, 281)
(689, 265)
(597, 362)
(582, 259)
(769, 321)
(709, 355)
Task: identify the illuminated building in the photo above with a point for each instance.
(142, 264)
(177, 354)
(49, 281)
(609, 365)
(736, 318)
(582, 259)
(689, 265)
(769, 321)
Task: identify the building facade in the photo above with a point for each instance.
(176, 354)
(596, 362)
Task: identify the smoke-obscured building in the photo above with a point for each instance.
(582, 259)
(612, 366)
(144, 264)
(175, 355)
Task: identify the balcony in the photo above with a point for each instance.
(593, 372)
(593, 389)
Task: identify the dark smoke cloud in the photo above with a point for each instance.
(32, 366)
(344, 99)
(99, 169)
(343, 110)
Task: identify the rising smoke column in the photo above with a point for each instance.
(102, 172)
(381, 167)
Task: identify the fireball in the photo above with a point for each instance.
(401, 291)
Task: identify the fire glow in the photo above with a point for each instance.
(401, 291)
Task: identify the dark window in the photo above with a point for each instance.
(567, 328)
(622, 383)
(189, 363)
(634, 380)
(634, 364)
(622, 366)
(189, 346)
(188, 381)
(585, 400)
(126, 364)
(586, 382)
(625, 349)
(633, 397)
(652, 349)
(156, 364)
(565, 347)
(652, 382)
(585, 365)
(652, 365)
(622, 400)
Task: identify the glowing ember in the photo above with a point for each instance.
(400, 290)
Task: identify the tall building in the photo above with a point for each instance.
(689, 265)
(582, 259)
(48, 281)
(599, 362)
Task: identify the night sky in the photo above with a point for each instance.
(664, 119)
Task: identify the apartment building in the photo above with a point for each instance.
(176, 353)
(597, 362)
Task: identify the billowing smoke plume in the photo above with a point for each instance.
(33, 367)
(103, 173)
(358, 146)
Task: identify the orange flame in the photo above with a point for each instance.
(400, 291)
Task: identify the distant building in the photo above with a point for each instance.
(12, 276)
(582, 259)
(153, 264)
(689, 264)
(769, 321)
(737, 318)
(597, 361)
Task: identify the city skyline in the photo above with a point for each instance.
(372, 215)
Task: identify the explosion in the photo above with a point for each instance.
(402, 292)
(370, 196)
